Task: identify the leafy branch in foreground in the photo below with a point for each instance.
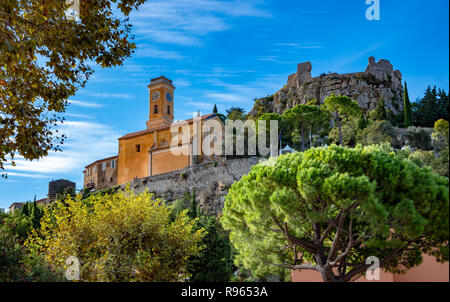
(45, 56)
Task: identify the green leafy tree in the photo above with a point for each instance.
(284, 129)
(215, 109)
(441, 133)
(11, 255)
(235, 113)
(117, 237)
(45, 56)
(215, 261)
(305, 118)
(439, 164)
(329, 209)
(377, 132)
(431, 107)
(342, 108)
(15, 265)
(407, 109)
(348, 133)
(379, 113)
(194, 207)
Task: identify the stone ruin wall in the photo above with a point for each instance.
(210, 180)
(379, 80)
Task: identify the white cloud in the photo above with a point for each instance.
(243, 94)
(85, 143)
(186, 22)
(303, 45)
(23, 175)
(146, 51)
(77, 115)
(225, 97)
(85, 104)
(111, 95)
(200, 105)
(353, 57)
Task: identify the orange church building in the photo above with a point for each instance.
(148, 152)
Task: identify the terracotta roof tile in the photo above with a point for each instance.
(100, 160)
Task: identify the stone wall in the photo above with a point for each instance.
(379, 80)
(211, 182)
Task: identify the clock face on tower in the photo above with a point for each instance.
(169, 97)
(155, 96)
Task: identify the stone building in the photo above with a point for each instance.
(55, 188)
(148, 152)
(58, 187)
(101, 174)
(16, 206)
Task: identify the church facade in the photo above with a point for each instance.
(152, 151)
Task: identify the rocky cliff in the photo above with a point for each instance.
(379, 80)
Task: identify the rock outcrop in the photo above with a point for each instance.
(379, 80)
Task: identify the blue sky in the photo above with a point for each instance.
(227, 53)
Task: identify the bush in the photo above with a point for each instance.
(418, 138)
(215, 261)
(348, 135)
(16, 265)
(375, 133)
(117, 237)
(437, 162)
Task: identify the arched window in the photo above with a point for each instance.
(155, 110)
(168, 109)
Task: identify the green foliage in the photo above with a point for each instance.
(375, 133)
(305, 118)
(118, 237)
(11, 254)
(15, 264)
(348, 132)
(215, 261)
(215, 109)
(194, 208)
(441, 134)
(45, 56)
(418, 137)
(379, 113)
(362, 122)
(342, 108)
(235, 113)
(22, 222)
(222, 117)
(337, 206)
(431, 107)
(407, 108)
(437, 162)
(283, 127)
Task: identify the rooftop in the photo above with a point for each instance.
(100, 160)
(161, 79)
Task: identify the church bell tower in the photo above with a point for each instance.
(161, 102)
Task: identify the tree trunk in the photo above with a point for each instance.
(341, 143)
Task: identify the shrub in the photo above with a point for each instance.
(118, 237)
(418, 137)
(377, 132)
